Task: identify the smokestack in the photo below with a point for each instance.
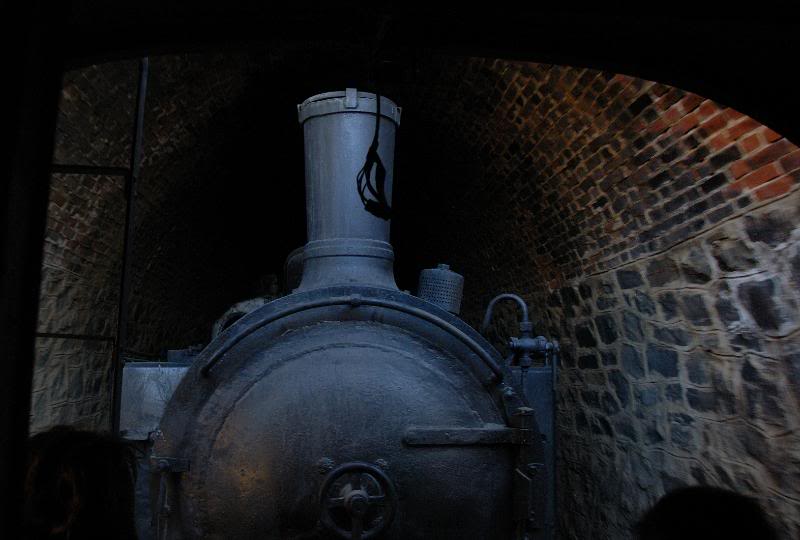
(349, 155)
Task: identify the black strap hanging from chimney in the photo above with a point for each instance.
(372, 187)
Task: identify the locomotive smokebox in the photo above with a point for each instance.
(348, 409)
(349, 160)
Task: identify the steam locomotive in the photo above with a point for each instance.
(348, 409)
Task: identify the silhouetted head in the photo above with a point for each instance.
(707, 513)
(79, 485)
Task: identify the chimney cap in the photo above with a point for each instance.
(349, 100)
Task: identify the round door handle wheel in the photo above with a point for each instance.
(357, 501)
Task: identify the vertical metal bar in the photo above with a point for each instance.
(127, 245)
(32, 70)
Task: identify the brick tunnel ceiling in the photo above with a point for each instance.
(520, 175)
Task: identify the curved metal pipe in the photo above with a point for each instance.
(355, 301)
(487, 318)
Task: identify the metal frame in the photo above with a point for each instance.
(131, 175)
(127, 249)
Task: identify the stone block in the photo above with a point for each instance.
(772, 228)
(794, 269)
(608, 358)
(588, 361)
(727, 311)
(683, 438)
(647, 396)
(697, 367)
(604, 303)
(669, 305)
(744, 340)
(732, 254)
(674, 392)
(694, 309)
(662, 360)
(763, 399)
(624, 427)
(758, 298)
(632, 362)
(644, 304)
(662, 272)
(606, 328)
(629, 279)
(653, 433)
(621, 387)
(632, 327)
(696, 268)
(792, 365)
(585, 290)
(701, 400)
(601, 426)
(609, 404)
(585, 336)
(672, 335)
(590, 398)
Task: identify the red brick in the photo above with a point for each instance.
(686, 124)
(775, 188)
(720, 141)
(624, 80)
(657, 126)
(745, 126)
(771, 135)
(690, 102)
(659, 89)
(733, 190)
(791, 161)
(750, 143)
(672, 115)
(771, 153)
(714, 124)
(707, 109)
(668, 99)
(638, 124)
(740, 168)
(733, 114)
(760, 176)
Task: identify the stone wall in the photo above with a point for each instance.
(682, 368)
(654, 232)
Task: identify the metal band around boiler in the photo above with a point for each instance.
(356, 301)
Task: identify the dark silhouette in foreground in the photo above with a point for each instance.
(79, 486)
(705, 513)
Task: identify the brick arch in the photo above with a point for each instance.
(652, 230)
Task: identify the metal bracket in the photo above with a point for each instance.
(350, 98)
(164, 467)
(527, 503)
(529, 480)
